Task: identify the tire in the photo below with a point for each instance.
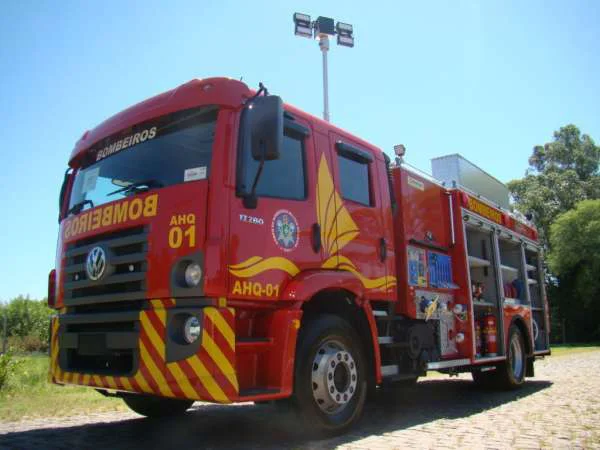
(330, 383)
(151, 406)
(511, 374)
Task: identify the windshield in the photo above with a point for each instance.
(172, 149)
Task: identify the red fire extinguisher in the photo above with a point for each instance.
(478, 342)
(490, 333)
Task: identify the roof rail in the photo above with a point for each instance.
(421, 172)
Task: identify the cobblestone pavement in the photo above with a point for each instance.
(557, 409)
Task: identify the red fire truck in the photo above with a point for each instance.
(218, 245)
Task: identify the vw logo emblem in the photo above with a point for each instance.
(95, 263)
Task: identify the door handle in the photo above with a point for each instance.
(382, 249)
(316, 237)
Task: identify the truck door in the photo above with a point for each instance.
(272, 243)
(361, 247)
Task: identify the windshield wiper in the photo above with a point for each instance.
(77, 207)
(138, 186)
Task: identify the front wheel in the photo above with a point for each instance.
(330, 385)
(150, 406)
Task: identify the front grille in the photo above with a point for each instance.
(101, 327)
(101, 343)
(125, 271)
(121, 306)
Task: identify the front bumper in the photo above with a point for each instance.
(134, 351)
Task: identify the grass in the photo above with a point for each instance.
(28, 394)
(569, 349)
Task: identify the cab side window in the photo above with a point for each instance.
(281, 178)
(354, 177)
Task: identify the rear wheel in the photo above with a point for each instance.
(330, 385)
(150, 406)
(511, 374)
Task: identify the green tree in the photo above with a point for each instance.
(28, 321)
(574, 259)
(561, 173)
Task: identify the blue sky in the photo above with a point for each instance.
(486, 79)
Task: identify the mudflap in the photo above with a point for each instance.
(529, 371)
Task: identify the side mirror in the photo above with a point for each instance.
(266, 118)
(63, 192)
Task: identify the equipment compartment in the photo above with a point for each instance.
(535, 284)
(511, 261)
(480, 250)
(483, 276)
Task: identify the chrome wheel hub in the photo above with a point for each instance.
(516, 357)
(334, 377)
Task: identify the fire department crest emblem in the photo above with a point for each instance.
(285, 230)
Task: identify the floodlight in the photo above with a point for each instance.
(299, 17)
(325, 25)
(302, 25)
(345, 41)
(343, 28)
(344, 34)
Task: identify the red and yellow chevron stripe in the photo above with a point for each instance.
(207, 375)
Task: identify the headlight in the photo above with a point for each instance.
(191, 329)
(193, 274)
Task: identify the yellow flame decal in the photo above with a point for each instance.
(248, 262)
(256, 265)
(340, 262)
(337, 226)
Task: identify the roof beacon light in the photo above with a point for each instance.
(399, 150)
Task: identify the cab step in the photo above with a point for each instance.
(253, 344)
(387, 318)
(395, 378)
(253, 340)
(382, 309)
(385, 340)
(390, 371)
